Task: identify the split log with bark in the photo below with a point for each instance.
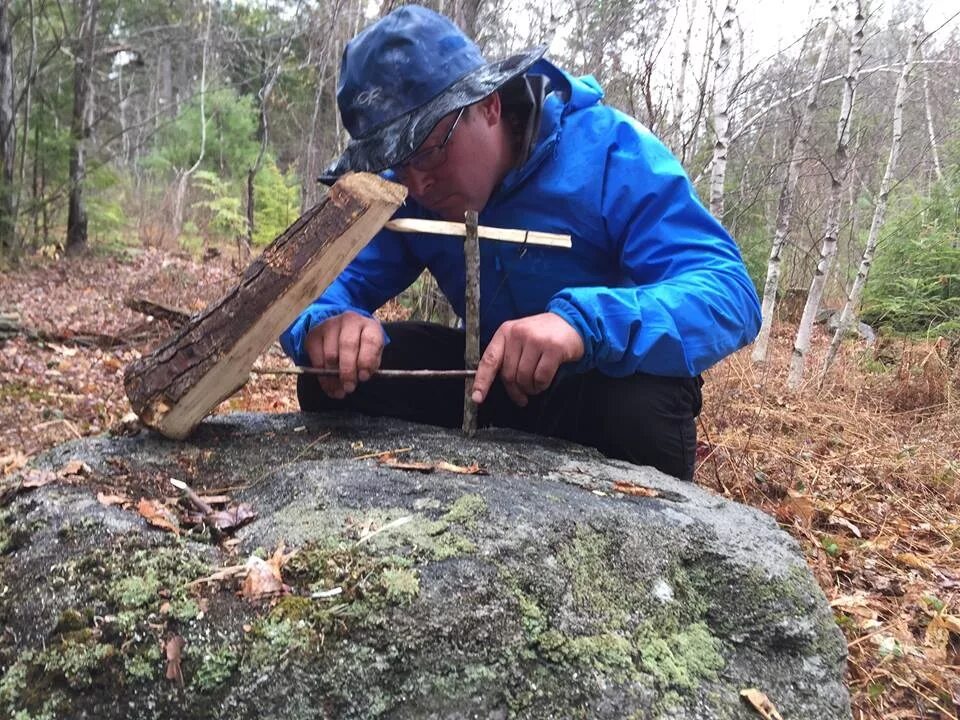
(210, 358)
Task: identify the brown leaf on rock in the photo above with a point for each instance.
(74, 468)
(231, 518)
(264, 578)
(761, 703)
(108, 500)
(33, 479)
(636, 490)
(174, 652)
(158, 515)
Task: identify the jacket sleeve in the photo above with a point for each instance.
(686, 300)
(383, 269)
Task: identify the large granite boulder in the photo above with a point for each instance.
(536, 591)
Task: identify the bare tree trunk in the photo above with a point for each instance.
(8, 139)
(839, 175)
(785, 209)
(721, 107)
(928, 110)
(679, 115)
(879, 210)
(80, 125)
(183, 177)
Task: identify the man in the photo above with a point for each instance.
(602, 344)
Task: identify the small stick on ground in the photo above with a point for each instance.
(471, 355)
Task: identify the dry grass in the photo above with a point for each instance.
(864, 474)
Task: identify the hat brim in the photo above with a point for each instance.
(394, 143)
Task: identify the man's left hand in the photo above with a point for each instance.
(527, 353)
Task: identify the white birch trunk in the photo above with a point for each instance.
(721, 107)
(929, 113)
(785, 208)
(840, 173)
(183, 177)
(678, 115)
(879, 211)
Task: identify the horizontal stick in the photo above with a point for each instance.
(330, 372)
(443, 227)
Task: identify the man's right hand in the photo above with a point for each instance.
(351, 342)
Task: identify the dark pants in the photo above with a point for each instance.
(644, 419)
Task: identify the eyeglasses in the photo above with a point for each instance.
(432, 157)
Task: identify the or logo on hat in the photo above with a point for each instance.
(365, 97)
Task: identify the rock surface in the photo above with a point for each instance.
(536, 591)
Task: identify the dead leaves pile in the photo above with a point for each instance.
(872, 496)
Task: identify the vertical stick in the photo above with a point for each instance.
(471, 353)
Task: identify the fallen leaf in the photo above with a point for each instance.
(796, 506)
(264, 578)
(12, 462)
(63, 350)
(109, 500)
(761, 703)
(636, 490)
(37, 478)
(74, 467)
(174, 651)
(936, 639)
(952, 623)
(158, 515)
(231, 518)
(854, 605)
(843, 522)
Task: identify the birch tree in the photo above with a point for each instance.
(839, 174)
(721, 110)
(183, 176)
(879, 211)
(785, 207)
(928, 111)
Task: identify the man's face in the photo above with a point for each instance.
(472, 161)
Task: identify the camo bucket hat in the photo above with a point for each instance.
(400, 76)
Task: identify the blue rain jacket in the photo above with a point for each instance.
(653, 283)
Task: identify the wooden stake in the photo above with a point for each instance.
(471, 355)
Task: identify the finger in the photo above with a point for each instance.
(516, 394)
(512, 352)
(527, 368)
(488, 368)
(331, 360)
(348, 352)
(545, 373)
(371, 350)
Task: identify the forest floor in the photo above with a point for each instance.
(864, 473)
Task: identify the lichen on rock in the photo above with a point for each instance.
(536, 591)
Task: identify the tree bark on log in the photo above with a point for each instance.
(210, 358)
